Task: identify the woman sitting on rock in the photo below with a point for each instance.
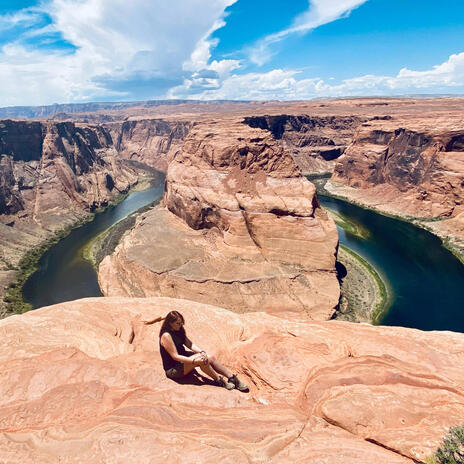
(177, 362)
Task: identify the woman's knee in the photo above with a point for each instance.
(211, 359)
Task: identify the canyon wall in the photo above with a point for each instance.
(51, 176)
(82, 382)
(240, 227)
(150, 141)
(315, 142)
(410, 168)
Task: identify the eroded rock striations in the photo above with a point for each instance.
(240, 227)
(52, 175)
(83, 382)
(150, 141)
(412, 168)
(315, 142)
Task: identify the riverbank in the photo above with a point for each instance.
(13, 301)
(364, 295)
(432, 225)
(106, 242)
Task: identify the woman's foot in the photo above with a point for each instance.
(222, 382)
(238, 384)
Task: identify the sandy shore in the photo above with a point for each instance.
(364, 295)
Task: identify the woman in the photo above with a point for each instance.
(178, 363)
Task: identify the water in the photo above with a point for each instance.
(64, 274)
(426, 280)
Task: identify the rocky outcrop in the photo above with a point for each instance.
(315, 142)
(150, 141)
(51, 176)
(240, 227)
(52, 170)
(409, 168)
(82, 382)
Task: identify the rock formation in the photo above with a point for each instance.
(150, 141)
(408, 167)
(52, 175)
(240, 227)
(315, 142)
(82, 382)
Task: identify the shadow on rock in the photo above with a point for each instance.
(341, 270)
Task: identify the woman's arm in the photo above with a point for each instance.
(188, 343)
(170, 347)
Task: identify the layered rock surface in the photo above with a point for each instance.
(409, 167)
(83, 382)
(150, 141)
(240, 227)
(52, 175)
(315, 142)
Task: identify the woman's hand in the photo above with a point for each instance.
(200, 358)
(204, 357)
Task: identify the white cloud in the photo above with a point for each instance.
(164, 48)
(284, 84)
(319, 12)
(26, 17)
(121, 46)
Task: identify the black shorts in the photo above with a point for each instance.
(175, 372)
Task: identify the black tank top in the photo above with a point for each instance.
(178, 337)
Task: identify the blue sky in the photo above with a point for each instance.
(88, 50)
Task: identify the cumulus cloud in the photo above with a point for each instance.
(284, 84)
(120, 47)
(319, 12)
(155, 49)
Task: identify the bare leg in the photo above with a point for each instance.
(189, 366)
(212, 368)
(219, 368)
(207, 369)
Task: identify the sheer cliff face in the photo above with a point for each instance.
(240, 226)
(412, 168)
(315, 142)
(416, 171)
(51, 175)
(150, 141)
(82, 382)
(51, 171)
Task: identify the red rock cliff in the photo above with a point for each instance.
(52, 175)
(241, 227)
(412, 168)
(315, 142)
(150, 141)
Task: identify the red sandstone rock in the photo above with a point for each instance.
(315, 142)
(83, 382)
(243, 229)
(409, 167)
(150, 141)
(51, 176)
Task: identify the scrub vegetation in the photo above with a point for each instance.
(13, 300)
(364, 294)
(451, 451)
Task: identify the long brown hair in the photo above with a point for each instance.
(172, 317)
